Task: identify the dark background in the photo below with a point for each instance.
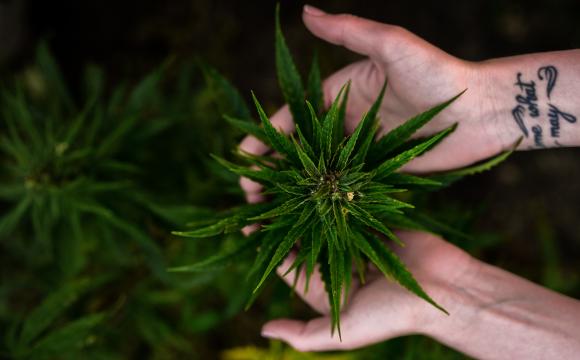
(530, 203)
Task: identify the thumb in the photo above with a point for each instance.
(313, 335)
(362, 36)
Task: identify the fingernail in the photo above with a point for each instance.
(311, 10)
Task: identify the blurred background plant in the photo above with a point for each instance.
(99, 162)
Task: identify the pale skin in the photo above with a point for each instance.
(493, 314)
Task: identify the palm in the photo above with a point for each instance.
(379, 309)
(418, 80)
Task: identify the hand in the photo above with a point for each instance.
(379, 309)
(493, 314)
(419, 76)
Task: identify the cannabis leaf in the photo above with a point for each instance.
(331, 195)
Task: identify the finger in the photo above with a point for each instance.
(313, 335)
(252, 189)
(366, 78)
(248, 229)
(362, 36)
(282, 120)
(316, 296)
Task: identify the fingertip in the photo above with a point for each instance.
(313, 11)
(282, 329)
(252, 145)
(249, 186)
(248, 229)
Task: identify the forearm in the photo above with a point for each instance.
(495, 314)
(534, 96)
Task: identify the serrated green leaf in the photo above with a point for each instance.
(329, 124)
(412, 181)
(381, 211)
(68, 338)
(329, 224)
(341, 224)
(277, 140)
(286, 208)
(324, 268)
(211, 230)
(146, 91)
(270, 243)
(435, 226)
(346, 272)
(373, 188)
(305, 144)
(52, 75)
(263, 175)
(399, 221)
(229, 99)
(347, 150)
(392, 164)
(228, 224)
(393, 267)
(301, 257)
(317, 141)
(290, 81)
(383, 199)
(370, 121)
(9, 221)
(321, 164)
(248, 127)
(290, 189)
(314, 87)
(362, 151)
(369, 220)
(338, 127)
(261, 161)
(358, 260)
(295, 232)
(316, 246)
(307, 163)
(447, 178)
(49, 310)
(337, 278)
(223, 259)
(396, 137)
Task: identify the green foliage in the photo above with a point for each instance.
(330, 193)
(90, 181)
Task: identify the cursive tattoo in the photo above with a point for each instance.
(518, 113)
(529, 108)
(550, 73)
(554, 116)
(538, 137)
(530, 100)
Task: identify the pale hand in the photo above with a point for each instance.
(380, 309)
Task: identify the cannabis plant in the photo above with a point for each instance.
(84, 212)
(333, 197)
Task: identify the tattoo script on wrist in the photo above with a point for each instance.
(536, 113)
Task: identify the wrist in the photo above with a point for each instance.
(531, 96)
(494, 100)
(452, 290)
